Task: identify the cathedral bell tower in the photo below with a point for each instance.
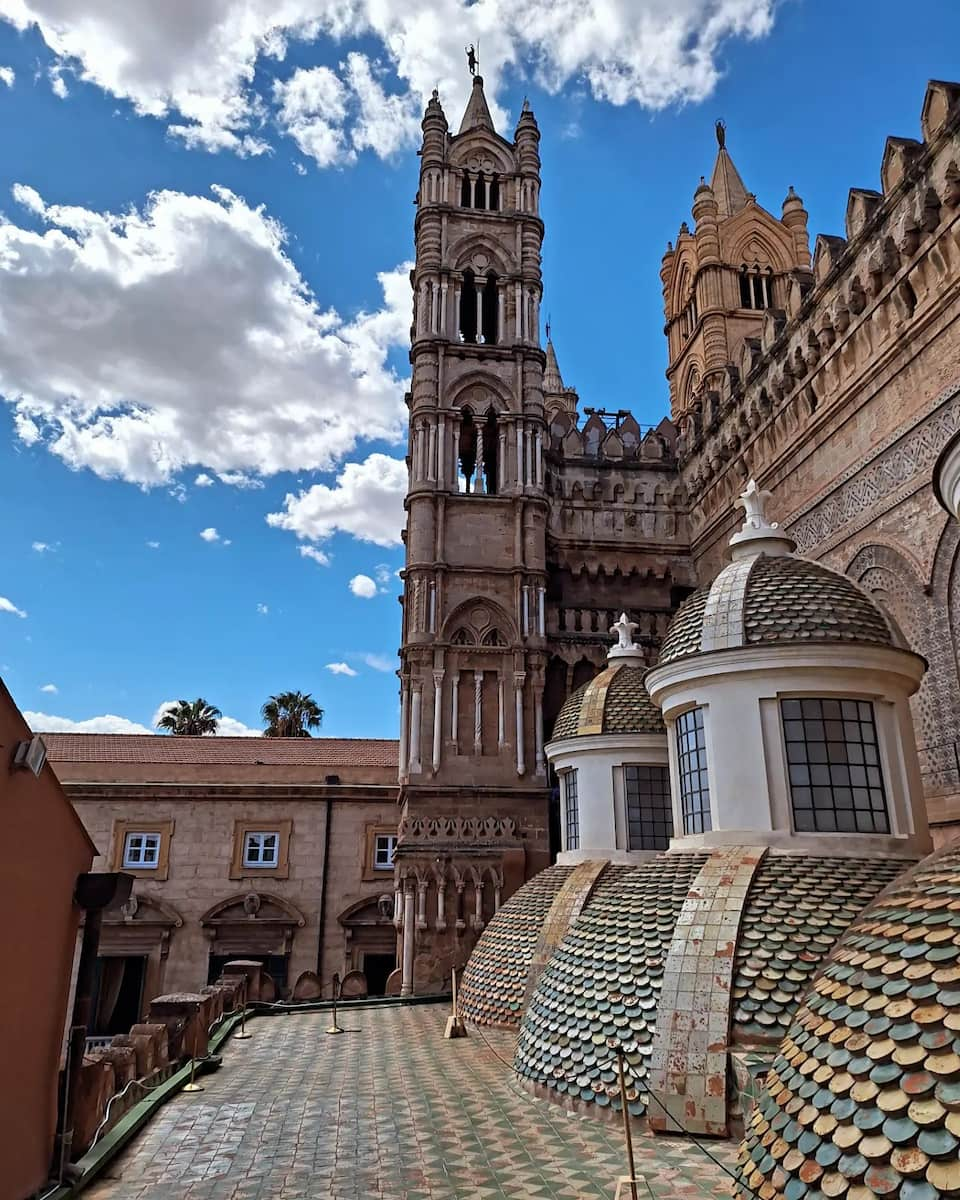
(472, 772)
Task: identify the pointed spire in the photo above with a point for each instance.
(725, 182)
(552, 379)
(477, 115)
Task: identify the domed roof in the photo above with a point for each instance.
(604, 979)
(615, 701)
(769, 599)
(863, 1098)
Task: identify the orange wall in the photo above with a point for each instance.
(42, 851)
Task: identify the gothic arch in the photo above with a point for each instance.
(752, 226)
(690, 380)
(478, 391)
(465, 252)
(482, 145)
(684, 278)
(480, 616)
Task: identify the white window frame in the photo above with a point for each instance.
(390, 840)
(149, 839)
(258, 837)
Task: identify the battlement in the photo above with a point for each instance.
(870, 293)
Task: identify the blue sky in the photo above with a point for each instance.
(204, 224)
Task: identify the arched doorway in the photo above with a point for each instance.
(370, 941)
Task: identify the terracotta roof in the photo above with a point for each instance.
(271, 752)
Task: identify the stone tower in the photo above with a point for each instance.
(720, 281)
(472, 772)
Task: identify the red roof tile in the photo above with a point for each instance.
(271, 752)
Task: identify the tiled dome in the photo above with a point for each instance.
(495, 977)
(774, 599)
(863, 1099)
(605, 977)
(615, 701)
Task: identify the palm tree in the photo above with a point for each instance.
(291, 714)
(190, 717)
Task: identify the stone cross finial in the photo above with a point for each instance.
(753, 502)
(624, 631)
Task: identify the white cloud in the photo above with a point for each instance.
(203, 480)
(43, 547)
(50, 688)
(312, 107)
(154, 545)
(195, 63)
(363, 586)
(263, 609)
(238, 479)
(340, 668)
(366, 502)
(58, 85)
(141, 344)
(7, 76)
(8, 606)
(384, 574)
(108, 723)
(380, 662)
(316, 555)
(210, 534)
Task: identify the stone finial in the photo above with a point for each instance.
(757, 535)
(626, 647)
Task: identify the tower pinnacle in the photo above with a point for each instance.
(725, 182)
(477, 114)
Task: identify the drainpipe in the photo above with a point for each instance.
(95, 894)
(322, 914)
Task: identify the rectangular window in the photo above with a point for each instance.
(571, 811)
(692, 761)
(141, 850)
(383, 848)
(649, 811)
(261, 849)
(836, 785)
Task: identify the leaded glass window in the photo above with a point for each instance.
(836, 783)
(571, 811)
(649, 812)
(692, 761)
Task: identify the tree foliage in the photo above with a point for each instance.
(291, 714)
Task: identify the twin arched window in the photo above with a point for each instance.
(480, 191)
(756, 287)
(479, 453)
(479, 302)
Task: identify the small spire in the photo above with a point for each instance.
(477, 114)
(552, 379)
(728, 187)
(626, 647)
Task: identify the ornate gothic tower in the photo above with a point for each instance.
(719, 282)
(472, 773)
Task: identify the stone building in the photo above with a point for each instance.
(831, 378)
(278, 849)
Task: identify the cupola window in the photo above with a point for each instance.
(571, 811)
(692, 761)
(833, 756)
(756, 287)
(649, 812)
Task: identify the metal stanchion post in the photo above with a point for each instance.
(627, 1135)
(335, 1028)
(243, 1012)
(193, 1086)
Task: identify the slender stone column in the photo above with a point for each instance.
(518, 681)
(525, 610)
(443, 309)
(441, 448)
(478, 712)
(432, 454)
(478, 486)
(497, 889)
(435, 307)
(409, 933)
(415, 728)
(541, 614)
(421, 904)
(456, 454)
(478, 904)
(397, 908)
(518, 428)
(486, 198)
(529, 440)
(404, 734)
(519, 311)
(538, 728)
(432, 627)
(456, 312)
(502, 461)
(479, 285)
(455, 712)
(437, 716)
(538, 458)
(501, 301)
(441, 904)
(501, 735)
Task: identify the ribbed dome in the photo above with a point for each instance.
(615, 701)
(774, 599)
(863, 1099)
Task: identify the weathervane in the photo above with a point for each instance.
(473, 58)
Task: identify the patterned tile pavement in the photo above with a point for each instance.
(390, 1111)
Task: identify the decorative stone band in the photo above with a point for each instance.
(688, 1076)
(567, 905)
(458, 830)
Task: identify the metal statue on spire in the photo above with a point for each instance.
(721, 131)
(473, 59)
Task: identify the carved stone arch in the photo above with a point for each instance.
(691, 380)
(753, 236)
(480, 616)
(684, 279)
(365, 911)
(478, 391)
(482, 150)
(480, 255)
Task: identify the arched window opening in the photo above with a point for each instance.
(462, 637)
(490, 446)
(489, 310)
(493, 637)
(756, 287)
(468, 308)
(465, 190)
(468, 450)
